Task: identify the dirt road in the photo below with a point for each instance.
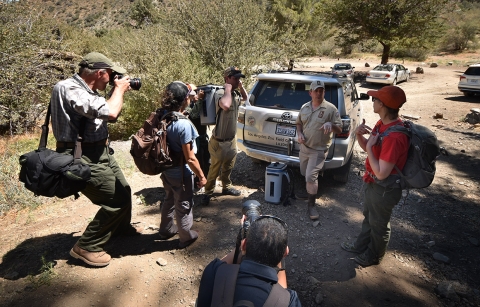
(433, 250)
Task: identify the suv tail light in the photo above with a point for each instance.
(241, 117)
(346, 128)
(387, 76)
(462, 77)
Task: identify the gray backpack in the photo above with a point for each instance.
(423, 151)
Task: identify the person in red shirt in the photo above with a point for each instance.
(384, 150)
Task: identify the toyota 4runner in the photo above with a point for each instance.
(266, 127)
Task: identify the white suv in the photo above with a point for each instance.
(469, 82)
(266, 127)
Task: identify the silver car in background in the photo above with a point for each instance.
(343, 69)
(388, 74)
(266, 128)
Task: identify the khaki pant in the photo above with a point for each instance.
(311, 164)
(108, 189)
(222, 156)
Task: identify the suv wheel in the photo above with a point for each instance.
(341, 174)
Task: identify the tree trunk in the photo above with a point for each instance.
(386, 53)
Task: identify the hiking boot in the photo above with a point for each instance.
(189, 242)
(302, 195)
(205, 200)
(365, 259)
(349, 247)
(92, 258)
(312, 211)
(231, 191)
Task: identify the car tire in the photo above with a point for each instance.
(341, 173)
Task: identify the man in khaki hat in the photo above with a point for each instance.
(316, 122)
(223, 145)
(384, 151)
(76, 102)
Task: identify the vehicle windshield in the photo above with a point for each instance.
(475, 71)
(384, 67)
(342, 66)
(287, 95)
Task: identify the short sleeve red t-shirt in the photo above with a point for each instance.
(393, 149)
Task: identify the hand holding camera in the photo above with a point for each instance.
(134, 83)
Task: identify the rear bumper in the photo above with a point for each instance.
(379, 80)
(469, 89)
(332, 163)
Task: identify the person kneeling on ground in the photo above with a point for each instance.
(260, 272)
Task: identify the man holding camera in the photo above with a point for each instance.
(317, 120)
(77, 106)
(260, 277)
(223, 145)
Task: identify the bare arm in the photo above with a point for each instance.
(380, 168)
(115, 102)
(360, 131)
(226, 101)
(193, 163)
(301, 137)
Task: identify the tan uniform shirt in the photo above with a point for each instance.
(226, 121)
(311, 121)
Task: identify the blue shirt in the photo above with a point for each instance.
(180, 132)
(254, 283)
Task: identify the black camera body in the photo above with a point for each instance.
(135, 83)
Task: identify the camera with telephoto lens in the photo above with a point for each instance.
(251, 210)
(135, 83)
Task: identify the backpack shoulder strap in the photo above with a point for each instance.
(278, 297)
(224, 285)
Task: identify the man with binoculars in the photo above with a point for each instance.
(260, 279)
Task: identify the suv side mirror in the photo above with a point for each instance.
(364, 96)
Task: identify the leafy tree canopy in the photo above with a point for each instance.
(390, 22)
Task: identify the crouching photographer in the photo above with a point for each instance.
(259, 279)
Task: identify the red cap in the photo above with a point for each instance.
(391, 96)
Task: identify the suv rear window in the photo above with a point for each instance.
(287, 95)
(474, 71)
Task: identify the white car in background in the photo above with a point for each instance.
(469, 82)
(343, 69)
(388, 74)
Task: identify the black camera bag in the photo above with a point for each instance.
(48, 173)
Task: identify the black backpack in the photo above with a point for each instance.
(149, 148)
(224, 290)
(423, 151)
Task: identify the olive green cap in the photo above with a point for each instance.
(96, 60)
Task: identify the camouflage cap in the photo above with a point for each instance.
(233, 71)
(96, 60)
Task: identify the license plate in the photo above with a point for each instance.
(286, 130)
(377, 76)
(472, 80)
